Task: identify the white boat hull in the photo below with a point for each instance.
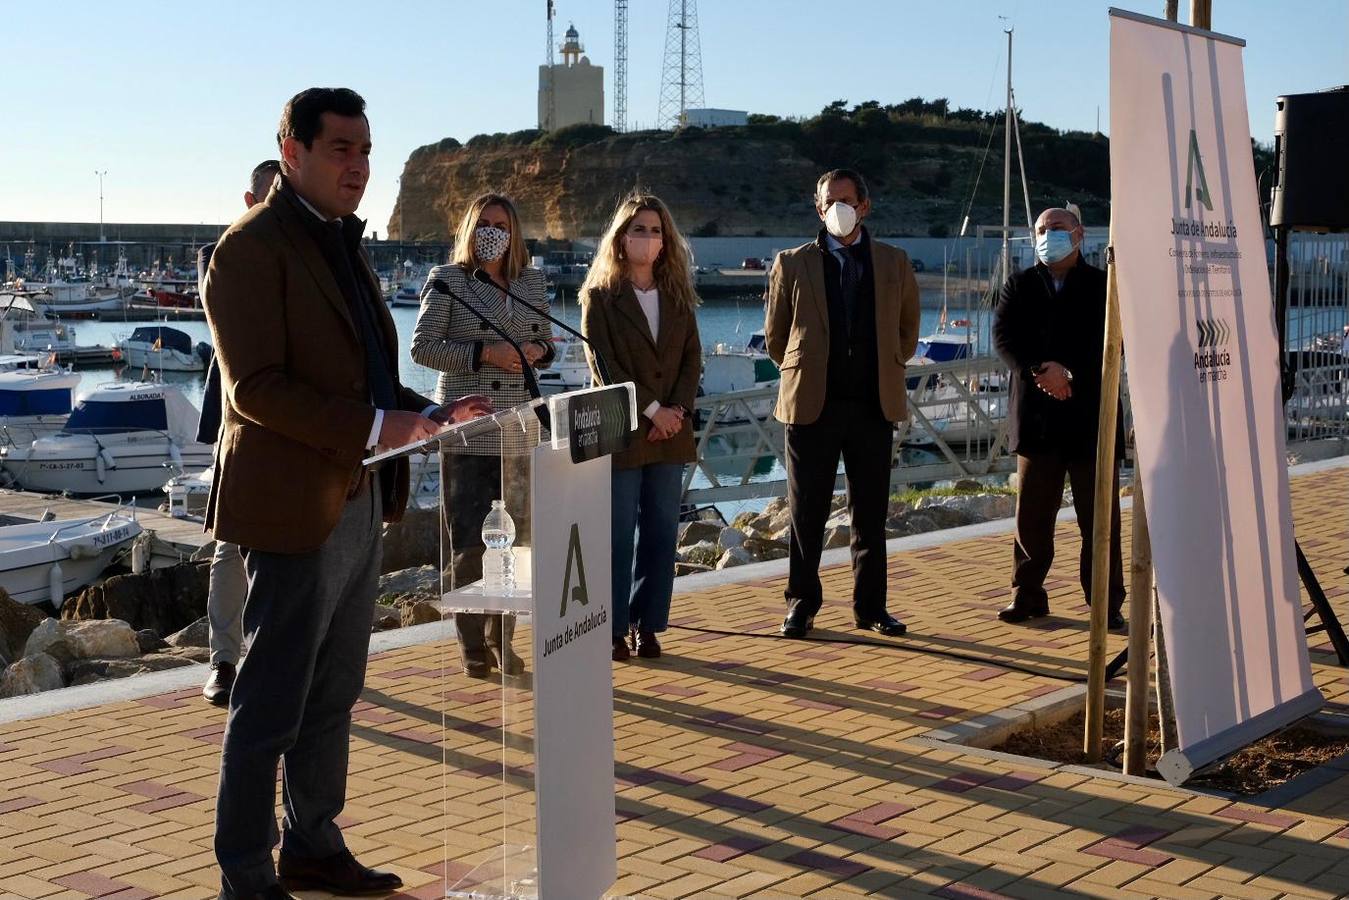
(161, 360)
(21, 431)
(123, 464)
(82, 550)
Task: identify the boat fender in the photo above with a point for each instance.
(100, 467)
(175, 456)
(106, 456)
(56, 585)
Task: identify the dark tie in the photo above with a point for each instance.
(851, 277)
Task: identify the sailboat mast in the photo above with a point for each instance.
(1007, 168)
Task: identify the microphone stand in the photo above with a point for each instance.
(531, 383)
(480, 275)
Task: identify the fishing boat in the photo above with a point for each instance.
(42, 562)
(123, 438)
(164, 349)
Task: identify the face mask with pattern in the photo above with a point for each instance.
(489, 243)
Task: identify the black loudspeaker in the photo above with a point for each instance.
(1311, 161)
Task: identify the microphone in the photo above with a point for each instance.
(480, 275)
(531, 383)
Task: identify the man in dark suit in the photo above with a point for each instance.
(841, 322)
(308, 360)
(229, 582)
(1049, 327)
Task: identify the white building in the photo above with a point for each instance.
(713, 118)
(577, 88)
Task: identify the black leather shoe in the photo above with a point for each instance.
(647, 645)
(338, 874)
(218, 686)
(1116, 622)
(797, 624)
(1016, 613)
(621, 651)
(275, 892)
(885, 624)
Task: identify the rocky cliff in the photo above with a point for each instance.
(754, 180)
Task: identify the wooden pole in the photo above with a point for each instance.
(1201, 14)
(1140, 626)
(1104, 500)
(1172, 10)
(1166, 704)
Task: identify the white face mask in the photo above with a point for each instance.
(840, 219)
(489, 243)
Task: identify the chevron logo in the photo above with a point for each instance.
(1213, 332)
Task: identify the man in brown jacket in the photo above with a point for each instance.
(309, 369)
(841, 322)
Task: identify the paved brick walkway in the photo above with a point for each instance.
(747, 766)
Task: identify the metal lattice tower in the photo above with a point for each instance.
(620, 65)
(681, 81)
(551, 115)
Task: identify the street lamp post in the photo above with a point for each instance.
(100, 175)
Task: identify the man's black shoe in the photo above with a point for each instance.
(1015, 613)
(797, 624)
(1116, 622)
(275, 892)
(885, 624)
(218, 686)
(338, 874)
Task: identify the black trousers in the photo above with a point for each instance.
(859, 433)
(470, 483)
(1038, 499)
(308, 617)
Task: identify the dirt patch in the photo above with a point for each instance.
(1264, 765)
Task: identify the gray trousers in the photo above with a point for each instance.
(225, 603)
(307, 619)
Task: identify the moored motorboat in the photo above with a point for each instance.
(43, 561)
(34, 402)
(124, 438)
(164, 349)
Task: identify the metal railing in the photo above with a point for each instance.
(957, 428)
(1315, 341)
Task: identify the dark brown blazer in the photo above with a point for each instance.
(665, 370)
(297, 410)
(796, 329)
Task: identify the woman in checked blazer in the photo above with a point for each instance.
(471, 359)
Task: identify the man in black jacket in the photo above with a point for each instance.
(1049, 327)
(229, 583)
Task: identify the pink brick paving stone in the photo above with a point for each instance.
(822, 862)
(79, 764)
(417, 735)
(880, 812)
(1342, 835)
(730, 848)
(725, 800)
(940, 712)
(641, 777)
(171, 802)
(1241, 814)
(91, 883)
(965, 781)
(729, 721)
(676, 690)
(959, 891)
(701, 638)
(210, 734)
(880, 684)
(151, 789)
(815, 704)
(1109, 850)
(854, 825)
(468, 698)
(1014, 781)
(17, 803)
(985, 674)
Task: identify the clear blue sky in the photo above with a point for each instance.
(178, 100)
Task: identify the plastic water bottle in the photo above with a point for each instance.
(498, 560)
